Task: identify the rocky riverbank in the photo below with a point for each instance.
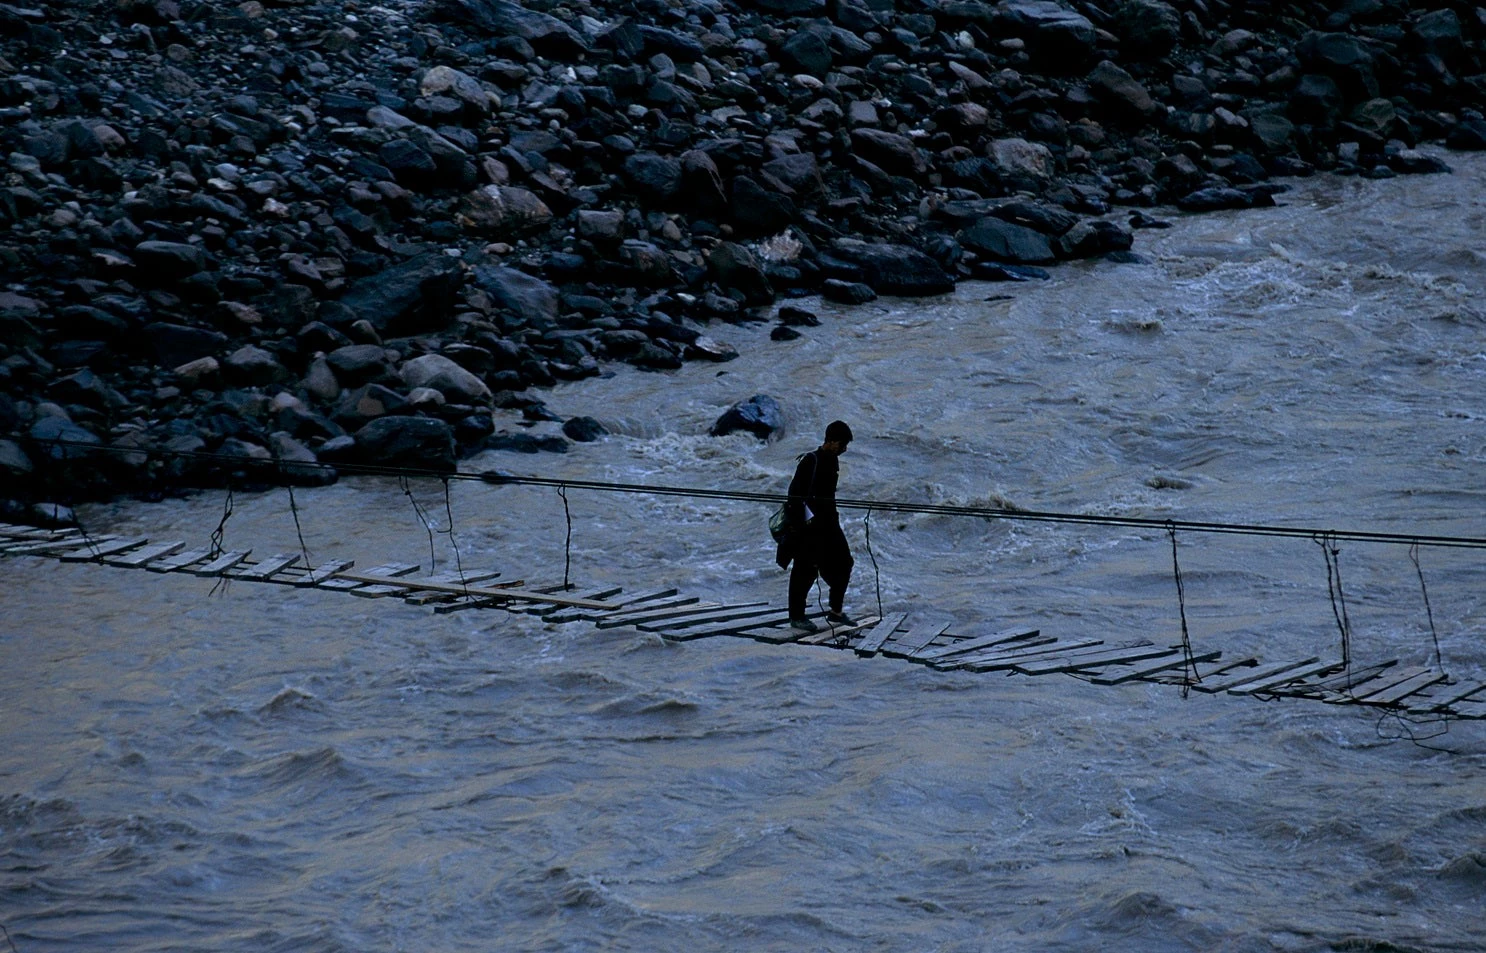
(241, 240)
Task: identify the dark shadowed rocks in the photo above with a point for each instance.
(419, 442)
(410, 298)
(527, 300)
(887, 269)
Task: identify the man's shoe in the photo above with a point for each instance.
(804, 625)
(839, 618)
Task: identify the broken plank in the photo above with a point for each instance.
(839, 634)
(141, 556)
(993, 662)
(518, 595)
(97, 549)
(733, 627)
(722, 614)
(1276, 684)
(1130, 673)
(221, 564)
(179, 560)
(1256, 674)
(1345, 679)
(1383, 683)
(1457, 693)
(1091, 658)
(1398, 692)
(650, 615)
(260, 571)
(873, 640)
(917, 637)
(45, 547)
(1019, 647)
(386, 569)
(323, 572)
(928, 653)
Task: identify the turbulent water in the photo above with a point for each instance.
(266, 769)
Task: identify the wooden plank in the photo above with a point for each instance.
(650, 615)
(1395, 677)
(220, 565)
(602, 593)
(735, 627)
(917, 637)
(1081, 659)
(1011, 659)
(260, 571)
(47, 546)
(873, 640)
(1396, 693)
(1130, 673)
(386, 569)
(929, 653)
(141, 556)
(179, 560)
(36, 533)
(1355, 677)
(97, 550)
(1469, 709)
(838, 635)
(502, 594)
(659, 599)
(1255, 674)
(1457, 693)
(324, 571)
(1018, 647)
(1276, 684)
(723, 614)
(780, 634)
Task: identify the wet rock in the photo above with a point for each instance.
(704, 348)
(1126, 97)
(759, 415)
(368, 402)
(1467, 136)
(583, 429)
(797, 317)
(733, 266)
(410, 298)
(889, 151)
(15, 465)
(528, 300)
(418, 442)
(58, 439)
(1004, 241)
(847, 292)
(783, 332)
(757, 210)
(525, 443)
(888, 269)
(806, 51)
(445, 376)
(1090, 238)
(1414, 162)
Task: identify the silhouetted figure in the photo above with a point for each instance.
(820, 547)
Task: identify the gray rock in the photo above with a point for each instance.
(645, 263)
(1058, 39)
(601, 226)
(86, 388)
(418, 442)
(806, 51)
(1020, 163)
(253, 366)
(411, 298)
(1148, 29)
(357, 364)
(369, 402)
(169, 261)
(546, 34)
(58, 438)
(701, 182)
(847, 292)
(445, 376)
(756, 210)
(889, 151)
(759, 415)
(1092, 237)
(532, 302)
(655, 178)
(15, 465)
(320, 381)
(1121, 92)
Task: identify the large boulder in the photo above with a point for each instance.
(655, 178)
(446, 377)
(1058, 39)
(1021, 164)
(547, 35)
(418, 442)
(890, 152)
(1000, 240)
(1122, 93)
(411, 298)
(530, 301)
(1148, 29)
(887, 269)
(759, 415)
(733, 266)
(1343, 57)
(759, 211)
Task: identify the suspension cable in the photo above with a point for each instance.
(1189, 664)
(1439, 657)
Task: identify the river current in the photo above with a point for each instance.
(267, 769)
